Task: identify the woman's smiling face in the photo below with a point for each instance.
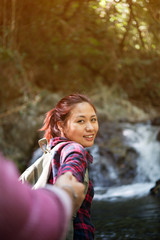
(81, 125)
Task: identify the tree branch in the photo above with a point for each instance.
(127, 28)
(137, 24)
(132, 17)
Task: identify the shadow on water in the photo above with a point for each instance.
(135, 218)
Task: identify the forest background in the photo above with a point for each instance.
(96, 47)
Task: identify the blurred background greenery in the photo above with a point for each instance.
(79, 45)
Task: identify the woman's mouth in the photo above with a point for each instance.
(89, 137)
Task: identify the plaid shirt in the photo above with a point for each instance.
(71, 156)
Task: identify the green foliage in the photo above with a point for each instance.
(69, 45)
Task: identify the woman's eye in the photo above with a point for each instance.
(94, 119)
(80, 121)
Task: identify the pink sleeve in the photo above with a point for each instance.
(30, 214)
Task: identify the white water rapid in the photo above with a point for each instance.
(143, 139)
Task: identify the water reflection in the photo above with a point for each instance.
(127, 219)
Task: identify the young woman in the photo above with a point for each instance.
(74, 122)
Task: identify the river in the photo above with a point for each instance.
(129, 211)
(133, 218)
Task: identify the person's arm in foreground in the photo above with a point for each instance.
(35, 214)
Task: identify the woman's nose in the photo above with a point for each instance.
(89, 127)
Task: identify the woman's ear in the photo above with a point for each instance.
(60, 127)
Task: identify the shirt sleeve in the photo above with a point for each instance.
(73, 158)
(30, 214)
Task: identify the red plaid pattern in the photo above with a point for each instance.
(74, 158)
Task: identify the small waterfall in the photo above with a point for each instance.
(143, 139)
(99, 167)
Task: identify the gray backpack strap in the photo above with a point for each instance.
(43, 145)
(86, 181)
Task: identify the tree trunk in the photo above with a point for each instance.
(13, 23)
(4, 41)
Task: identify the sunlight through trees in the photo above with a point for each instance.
(67, 45)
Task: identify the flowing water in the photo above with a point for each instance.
(133, 218)
(128, 211)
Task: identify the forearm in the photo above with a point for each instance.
(30, 214)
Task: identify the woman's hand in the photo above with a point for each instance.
(74, 188)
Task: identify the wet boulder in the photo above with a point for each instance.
(158, 136)
(155, 191)
(155, 121)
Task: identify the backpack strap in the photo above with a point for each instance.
(43, 145)
(86, 181)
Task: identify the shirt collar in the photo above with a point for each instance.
(54, 141)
